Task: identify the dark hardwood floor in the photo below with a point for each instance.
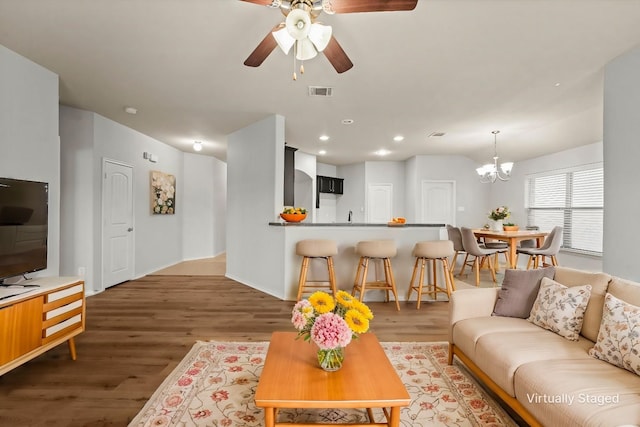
(137, 332)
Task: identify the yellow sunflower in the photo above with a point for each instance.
(345, 299)
(322, 302)
(357, 322)
(363, 309)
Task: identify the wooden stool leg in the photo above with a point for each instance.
(363, 284)
(303, 276)
(413, 278)
(421, 280)
(332, 275)
(529, 262)
(447, 276)
(434, 273)
(356, 281)
(390, 279)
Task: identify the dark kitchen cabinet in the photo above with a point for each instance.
(327, 184)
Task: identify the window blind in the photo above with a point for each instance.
(573, 199)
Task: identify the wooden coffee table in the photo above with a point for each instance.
(292, 378)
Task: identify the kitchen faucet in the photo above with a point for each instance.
(350, 216)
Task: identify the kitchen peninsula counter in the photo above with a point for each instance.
(350, 224)
(347, 235)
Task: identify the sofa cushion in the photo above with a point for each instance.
(579, 392)
(626, 290)
(466, 333)
(501, 354)
(519, 290)
(560, 309)
(619, 338)
(599, 282)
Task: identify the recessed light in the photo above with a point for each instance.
(323, 138)
(398, 138)
(197, 146)
(347, 121)
(382, 152)
(322, 152)
(130, 110)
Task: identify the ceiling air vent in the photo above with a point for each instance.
(320, 91)
(436, 134)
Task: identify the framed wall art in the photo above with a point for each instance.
(163, 193)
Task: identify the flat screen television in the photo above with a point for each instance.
(23, 226)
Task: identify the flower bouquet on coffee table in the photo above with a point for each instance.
(331, 323)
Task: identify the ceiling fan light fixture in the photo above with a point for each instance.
(320, 35)
(305, 50)
(298, 24)
(197, 146)
(284, 40)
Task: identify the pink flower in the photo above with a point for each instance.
(298, 320)
(203, 413)
(231, 359)
(193, 371)
(330, 331)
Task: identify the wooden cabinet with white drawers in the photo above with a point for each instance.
(39, 318)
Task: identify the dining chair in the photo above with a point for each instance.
(456, 237)
(480, 255)
(550, 249)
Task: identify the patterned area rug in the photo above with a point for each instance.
(214, 385)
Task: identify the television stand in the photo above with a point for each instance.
(33, 322)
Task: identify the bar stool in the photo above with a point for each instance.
(382, 250)
(437, 250)
(314, 249)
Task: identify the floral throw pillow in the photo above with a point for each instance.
(560, 309)
(619, 337)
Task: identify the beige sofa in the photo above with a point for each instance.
(545, 378)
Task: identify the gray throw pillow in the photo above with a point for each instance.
(519, 291)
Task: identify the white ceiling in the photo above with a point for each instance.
(463, 67)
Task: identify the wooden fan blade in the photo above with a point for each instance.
(354, 6)
(263, 50)
(336, 55)
(260, 2)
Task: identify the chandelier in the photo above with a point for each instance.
(300, 32)
(490, 172)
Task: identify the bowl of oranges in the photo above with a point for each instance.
(291, 214)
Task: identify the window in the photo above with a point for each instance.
(573, 199)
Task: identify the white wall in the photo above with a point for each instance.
(353, 198)
(621, 172)
(29, 143)
(204, 200)
(255, 180)
(78, 205)
(304, 194)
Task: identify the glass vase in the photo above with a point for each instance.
(331, 360)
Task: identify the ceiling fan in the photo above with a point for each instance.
(302, 31)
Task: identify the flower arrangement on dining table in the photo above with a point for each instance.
(331, 323)
(501, 212)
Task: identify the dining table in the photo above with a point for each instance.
(512, 238)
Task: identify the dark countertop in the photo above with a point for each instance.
(350, 224)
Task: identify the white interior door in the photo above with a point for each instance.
(117, 214)
(438, 202)
(379, 203)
